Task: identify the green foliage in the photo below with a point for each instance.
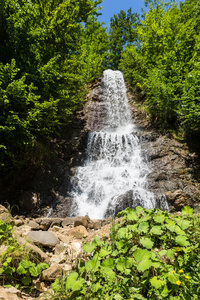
(164, 64)
(49, 52)
(122, 32)
(151, 255)
(13, 267)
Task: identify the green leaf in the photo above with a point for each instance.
(88, 248)
(187, 210)
(182, 240)
(34, 271)
(123, 264)
(144, 265)
(159, 218)
(143, 227)
(184, 224)
(93, 264)
(108, 263)
(118, 297)
(56, 285)
(77, 285)
(110, 275)
(132, 215)
(157, 283)
(170, 253)
(26, 264)
(141, 254)
(103, 252)
(172, 277)
(71, 279)
(21, 270)
(157, 230)
(26, 280)
(147, 243)
(96, 287)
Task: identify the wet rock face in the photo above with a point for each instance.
(172, 168)
(95, 110)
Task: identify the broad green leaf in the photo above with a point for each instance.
(103, 252)
(132, 227)
(56, 286)
(108, 263)
(172, 277)
(157, 230)
(157, 283)
(132, 215)
(77, 285)
(156, 265)
(118, 297)
(159, 218)
(26, 264)
(141, 254)
(162, 252)
(110, 275)
(170, 253)
(184, 224)
(187, 210)
(123, 264)
(71, 280)
(26, 280)
(21, 270)
(88, 248)
(143, 227)
(92, 264)
(144, 265)
(34, 271)
(182, 240)
(123, 233)
(96, 287)
(147, 243)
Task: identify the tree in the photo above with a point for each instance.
(122, 32)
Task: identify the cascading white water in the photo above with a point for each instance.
(114, 164)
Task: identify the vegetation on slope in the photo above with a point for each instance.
(151, 255)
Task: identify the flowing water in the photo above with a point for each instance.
(114, 164)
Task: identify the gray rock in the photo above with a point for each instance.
(43, 238)
(34, 225)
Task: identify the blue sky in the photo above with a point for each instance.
(111, 7)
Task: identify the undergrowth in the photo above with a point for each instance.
(151, 255)
(18, 266)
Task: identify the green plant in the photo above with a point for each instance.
(153, 255)
(13, 267)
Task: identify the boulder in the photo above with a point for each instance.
(51, 273)
(81, 221)
(43, 238)
(9, 293)
(78, 232)
(67, 221)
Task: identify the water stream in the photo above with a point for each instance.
(114, 164)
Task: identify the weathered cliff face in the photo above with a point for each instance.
(174, 171)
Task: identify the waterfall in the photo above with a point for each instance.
(114, 167)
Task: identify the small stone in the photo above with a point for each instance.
(34, 225)
(56, 222)
(18, 222)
